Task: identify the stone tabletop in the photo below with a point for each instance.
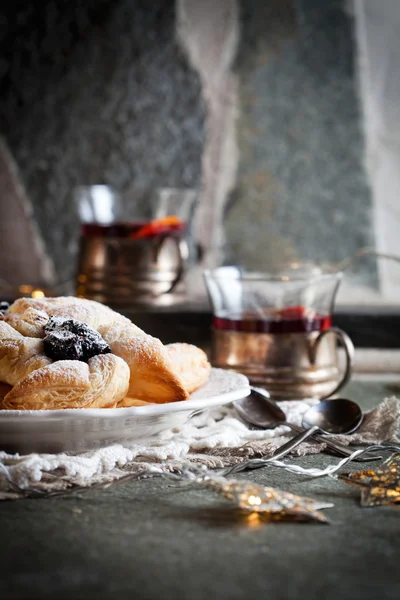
(147, 540)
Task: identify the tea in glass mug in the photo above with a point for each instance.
(126, 260)
(277, 329)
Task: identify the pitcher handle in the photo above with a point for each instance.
(183, 254)
(348, 347)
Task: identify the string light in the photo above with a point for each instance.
(380, 486)
(266, 501)
(25, 289)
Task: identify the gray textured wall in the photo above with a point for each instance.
(96, 91)
(301, 188)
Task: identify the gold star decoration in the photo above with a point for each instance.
(267, 501)
(379, 486)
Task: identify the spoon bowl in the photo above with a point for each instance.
(259, 410)
(340, 416)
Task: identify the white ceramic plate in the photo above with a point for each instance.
(77, 429)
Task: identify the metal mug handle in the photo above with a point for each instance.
(348, 347)
(183, 254)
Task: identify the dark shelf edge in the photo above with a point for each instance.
(367, 328)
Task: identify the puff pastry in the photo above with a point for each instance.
(30, 323)
(29, 315)
(126, 402)
(22, 304)
(4, 389)
(140, 370)
(190, 363)
(19, 355)
(101, 383)
(152, 376)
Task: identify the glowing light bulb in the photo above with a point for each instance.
(254, 500)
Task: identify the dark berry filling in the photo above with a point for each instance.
(67, 339)
(63, 345)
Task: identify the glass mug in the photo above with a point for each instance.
(124, 259)
(277, 329)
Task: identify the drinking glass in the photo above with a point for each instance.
(277, 329)
(125, 258)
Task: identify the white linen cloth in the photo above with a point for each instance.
(216, 438)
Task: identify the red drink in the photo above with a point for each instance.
(277, 329)
(296, 319)
(123, 230)
(129, 230)
(129, 260)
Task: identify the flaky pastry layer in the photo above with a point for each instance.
(153, 378)
(140, 370)
(101, 383)
(190, 363)
(19, 355)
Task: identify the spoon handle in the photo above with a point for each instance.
(339, 449)
(294, 442)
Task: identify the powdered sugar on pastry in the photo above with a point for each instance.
(139, 370)
(22, 304)
(28, 315)
(101, 383)
(118, 330)
(30, 323)
(19, 355)
(152, 376)
(93, 314)
(190, 363)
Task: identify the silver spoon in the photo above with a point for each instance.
(340, 416)
(258, 409)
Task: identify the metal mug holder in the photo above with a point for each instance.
(349, 351)
(126, 272)
(290, 366)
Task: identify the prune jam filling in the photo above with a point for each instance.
(67, 339)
